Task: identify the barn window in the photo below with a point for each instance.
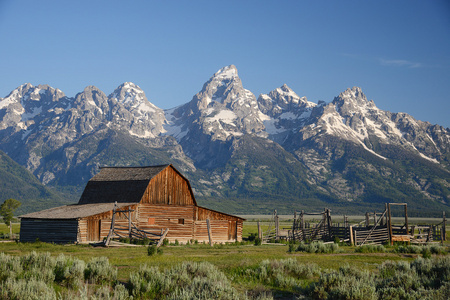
(181, 221)
(151, 221)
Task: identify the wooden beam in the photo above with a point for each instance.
(351, 235)
(209, 232)
(129, 223)
(391, 242)
(277, 227)
(406, 218)
(163, 236)
(444, 229)
(259, 231)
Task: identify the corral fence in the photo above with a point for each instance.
(376, 228)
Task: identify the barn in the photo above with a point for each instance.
(150, 199)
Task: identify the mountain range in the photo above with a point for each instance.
(242, 153)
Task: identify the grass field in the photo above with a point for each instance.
(234, 260)
(239, 262)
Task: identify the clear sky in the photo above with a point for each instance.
(398, 52)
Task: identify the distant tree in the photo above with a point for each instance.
(7, 212)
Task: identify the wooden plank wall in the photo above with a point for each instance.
(184, 227)
(49, 230)
(223, 231)
(204, 213)
(178, 218)
(105, 223)
(168, 187)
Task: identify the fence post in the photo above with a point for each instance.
(277, 228)
(129, 224)
(406, 219)
(293, 226)
(259, 231)
(443, 225)
(374, 218)
(367, 219)
(351, 235)
(390, 223)
(209, 232)
(329, 223)
(386, 215)
(302, 220)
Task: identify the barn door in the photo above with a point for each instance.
(94, 227)
(232, 230)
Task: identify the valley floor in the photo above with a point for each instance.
(241, 270)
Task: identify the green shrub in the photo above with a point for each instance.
(318, 247)
(69, 271)
(258, 241)
(188, 280)
(345, 283)
(370, 249)
(10, 267)
(31, 289)
(120, 292)
(152, 250)
(99, 270)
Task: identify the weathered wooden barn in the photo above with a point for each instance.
(153, 199)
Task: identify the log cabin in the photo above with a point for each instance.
(153, 199)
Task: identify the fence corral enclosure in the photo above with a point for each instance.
(375, 228)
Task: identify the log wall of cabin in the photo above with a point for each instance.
(168, 187)
(49, 230)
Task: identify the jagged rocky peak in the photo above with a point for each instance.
(27, 102)
(282, 99)
(227, 73)
(224, 87)
(129, 94)
(27, 92)
(355, 95)
(133, 98)
(92, 96)
(352, 101)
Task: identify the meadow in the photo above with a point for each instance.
(230, 271)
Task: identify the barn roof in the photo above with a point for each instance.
(119, 184)
(74, 211)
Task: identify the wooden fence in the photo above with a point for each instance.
(381, 231)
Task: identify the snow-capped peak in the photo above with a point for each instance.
(227, 72)
(354, 94)
(129, 93)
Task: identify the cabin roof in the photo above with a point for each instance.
(74, 211)
(119, 184)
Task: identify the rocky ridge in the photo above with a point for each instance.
(233, 145)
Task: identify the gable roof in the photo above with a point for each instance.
(119, 184)
(74, 211)
(122, 184)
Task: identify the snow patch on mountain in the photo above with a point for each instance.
(226, 116)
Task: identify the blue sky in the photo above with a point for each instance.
(398, 52)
